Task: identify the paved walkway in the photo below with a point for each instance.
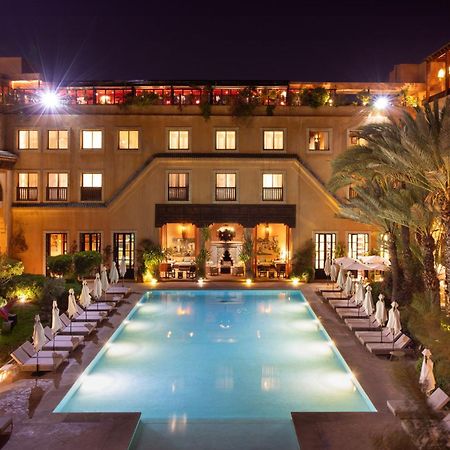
(31, 400)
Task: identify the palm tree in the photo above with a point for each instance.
(417, 148)
(368, 207)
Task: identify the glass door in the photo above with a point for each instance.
(124, 246)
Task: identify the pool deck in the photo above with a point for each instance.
(31, 400)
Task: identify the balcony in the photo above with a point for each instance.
(91, 194)
(56, 194)
(226, 194)
(28, 194)
(178, 194)
(272, 194)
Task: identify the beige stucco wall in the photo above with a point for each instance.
(133, 210)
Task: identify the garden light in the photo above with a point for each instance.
(295, 281)
(201, 281)
(248, 281)
(153, 282)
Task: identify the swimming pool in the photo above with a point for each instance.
(218, 355)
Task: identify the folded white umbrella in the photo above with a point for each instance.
(380, 311)
(340, 278)
(394, 323)
(97, 291)
(368, 301)
(85, 297)
(56, 320)
(38, 334)
(327, 266)
(348, 288)
(426, 379)
(333, 272)
(113, 273)
(104, 280)
(72, 309)
(122, 267)
(359, 294)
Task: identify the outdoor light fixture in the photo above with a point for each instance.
(248, 281)
(154, 282)
(201, 281)
(50, 99)
(441, 74)
(295, 281)
(381, 103)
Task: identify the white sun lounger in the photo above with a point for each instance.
(60, 342)
(381, 348)
(76, 328)
(102, 306)
(351, 313)
(366, 324)
(376, 336)
(89, 316)
(404, 408)
(34, 364)
(31, 352)
(350, 303)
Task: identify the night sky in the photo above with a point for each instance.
(316, 41)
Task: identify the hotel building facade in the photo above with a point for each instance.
(114, 164)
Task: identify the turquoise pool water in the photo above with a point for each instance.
(218, 354)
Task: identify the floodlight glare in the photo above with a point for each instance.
(50, 99)
(381, 103)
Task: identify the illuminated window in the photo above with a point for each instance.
(178, 140)
(57, 186)
(273, 140)
(225, 187)
(56, 244)
(225, 140)
(358, 244)
(124, 247)
(354, 139)
(58, 139)
(325, 244)
(128, 139)
(28, 140)
(91, 139)
(91, 187)
(178, 186)
(272, 187)
(27, 186)
(318, 140)
(90, 242)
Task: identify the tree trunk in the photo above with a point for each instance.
(408, 267)
(445, 217)
(395, 267)
(430, 278)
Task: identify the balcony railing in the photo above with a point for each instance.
(29, 194)
(273, 194)
(178, 193)
(91, 194)
(226, 194)
(56, 194)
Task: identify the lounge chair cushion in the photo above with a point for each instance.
(438, 399)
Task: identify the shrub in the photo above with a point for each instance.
(314, 97)
(302, 262)
(152, 256)
(244, 104)
(26, 285)
(9, 268)
(60, 265)
(86, 262)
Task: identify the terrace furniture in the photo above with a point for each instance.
(349, 303)
(120, 290)
(366, 324)
(89, 316)
(27, 346)
(280, 270)
(166, 270)
(116, 299)
(102, 306)
(62, 342)
(382, 348)
(76, 328)
(34, 364)
(6, 424)
(192, 272)
(213, 271)
(383, 335)
(404, 409)
(351, 313)
(238, 271)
